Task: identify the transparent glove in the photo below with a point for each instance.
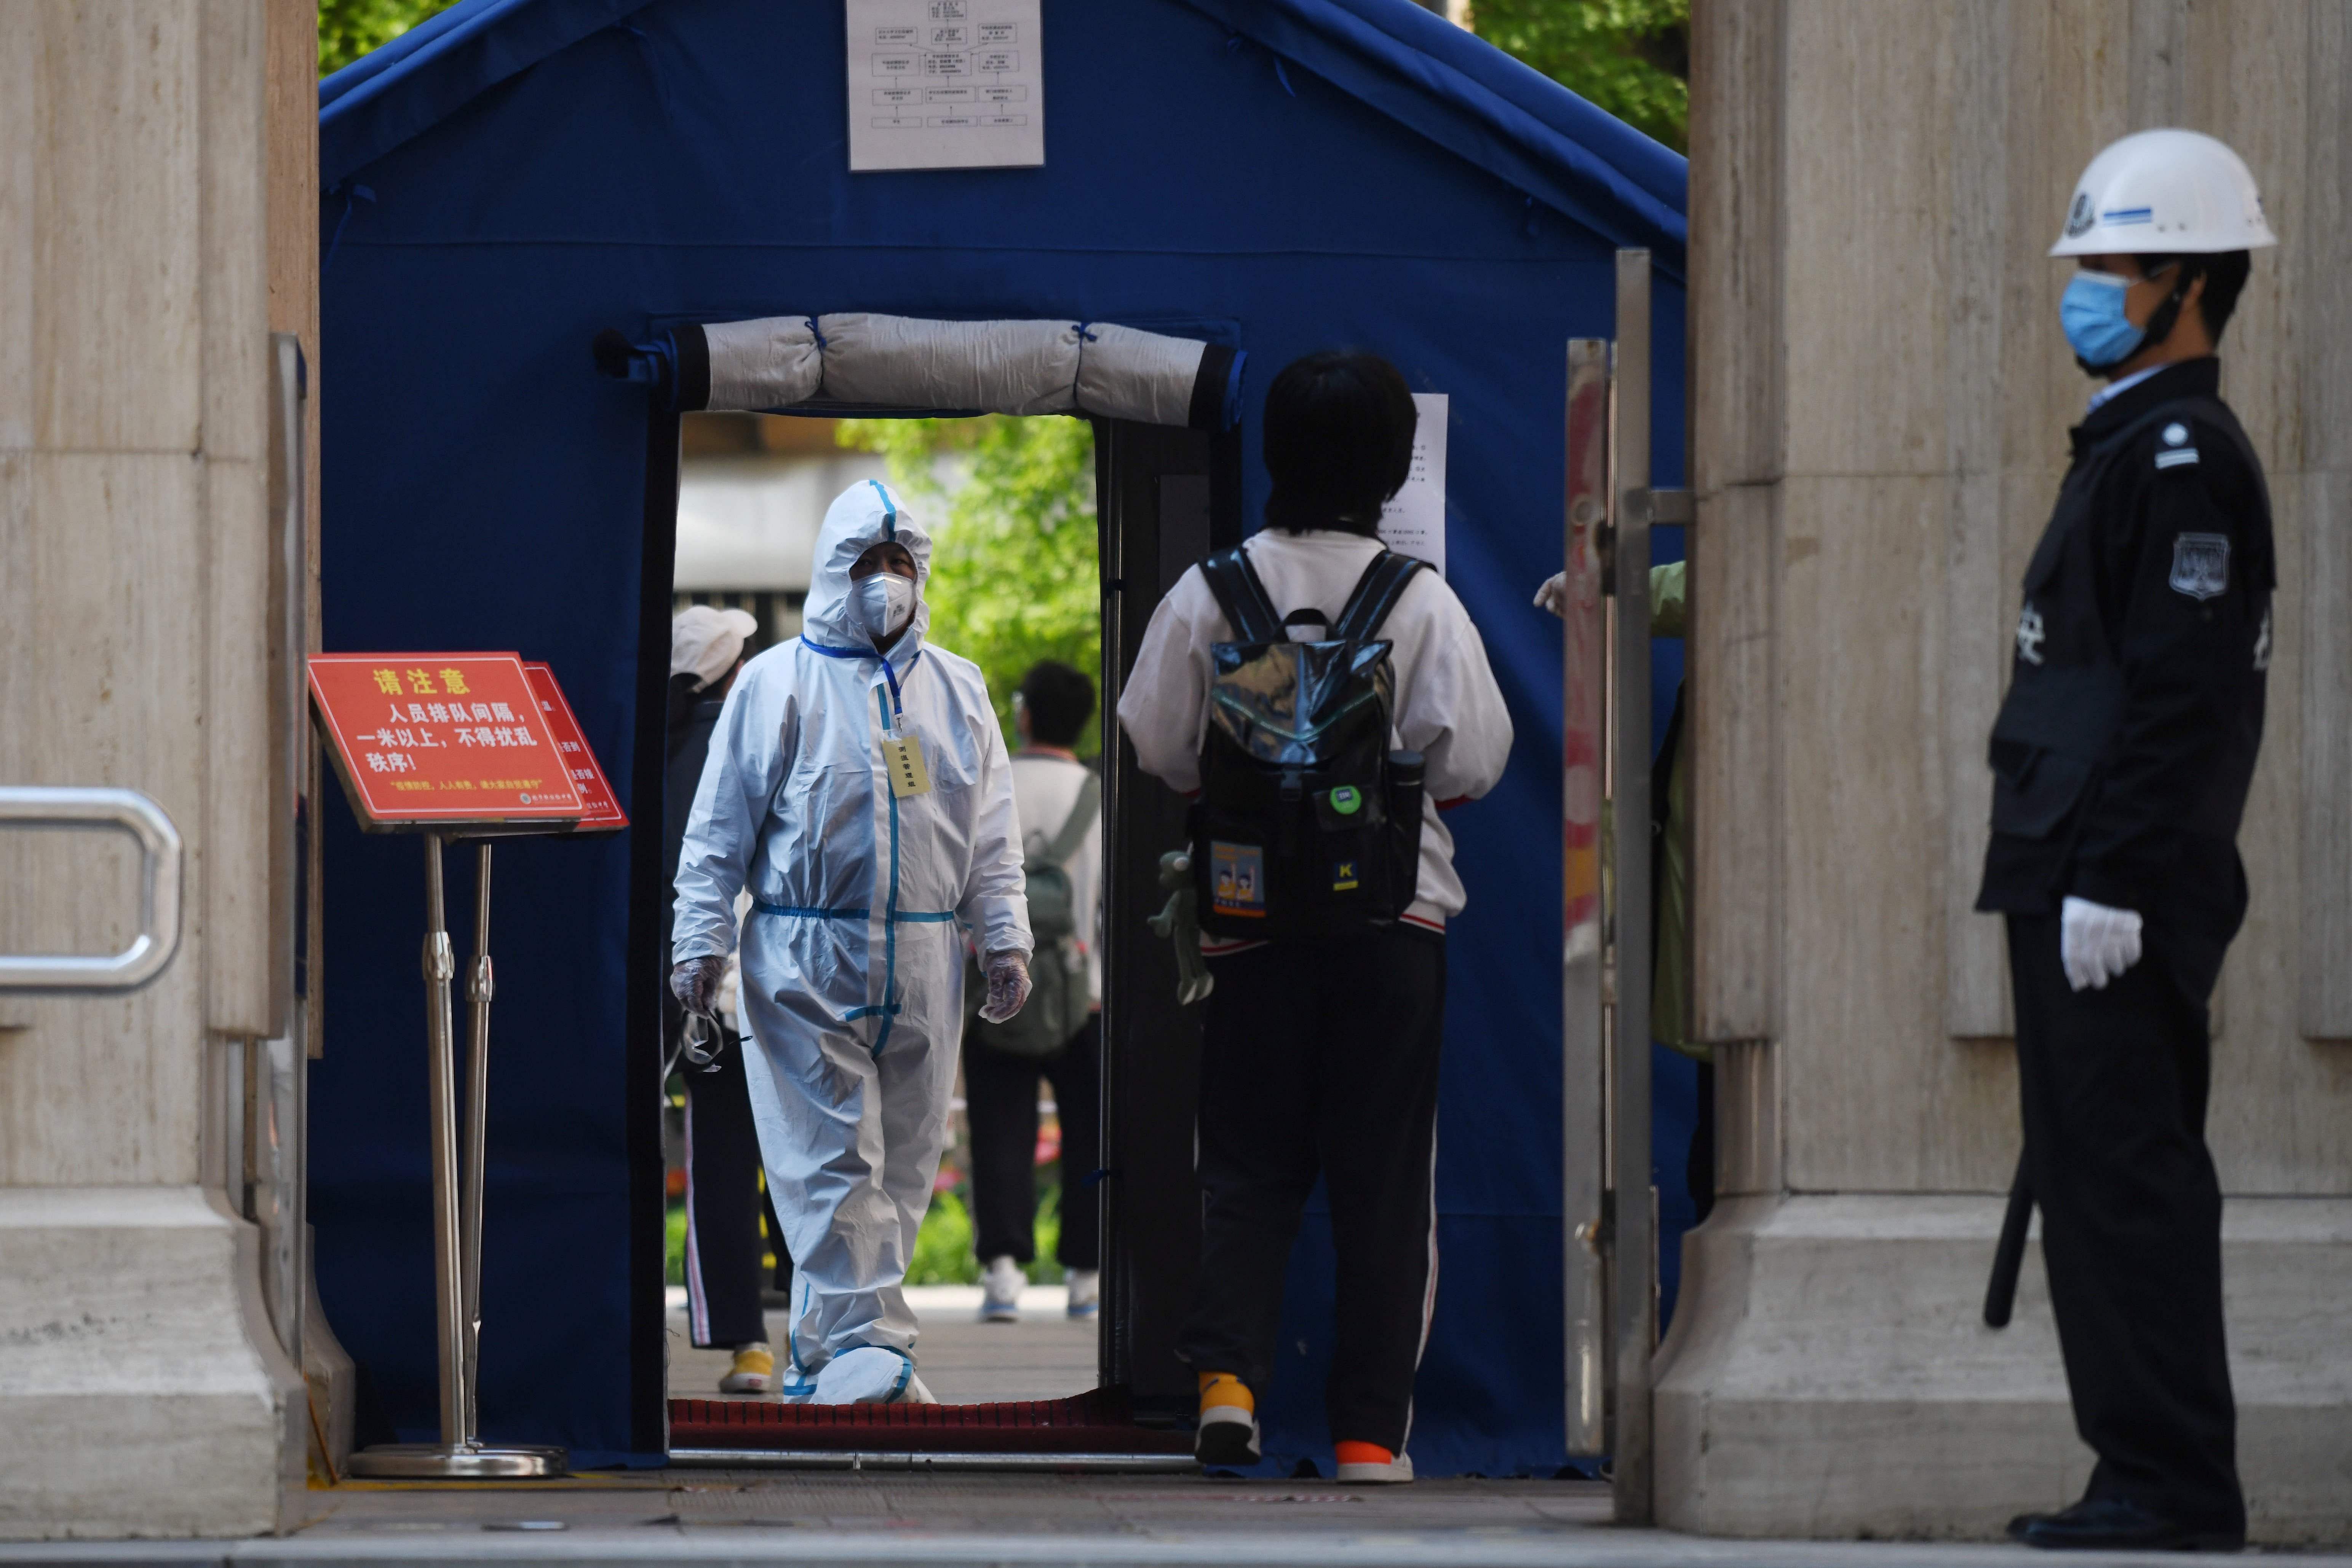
(694, 982)
(2095, 943)
(1008, 986)
(1553, 595)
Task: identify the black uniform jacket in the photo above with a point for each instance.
(2124, 748)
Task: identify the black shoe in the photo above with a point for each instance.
(2117, 1524)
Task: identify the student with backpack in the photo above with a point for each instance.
(1057, 1035)
(1322, 699)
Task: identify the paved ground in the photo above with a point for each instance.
(964, 1519)
(1045, 1355)
(833, 1519)
(971, 1520)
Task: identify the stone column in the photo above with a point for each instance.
(1881, 402)
(142, 1389)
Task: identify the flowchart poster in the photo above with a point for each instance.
(945, 84)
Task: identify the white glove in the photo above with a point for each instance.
(1008, 986)
(2095, 943)
(1553, 595)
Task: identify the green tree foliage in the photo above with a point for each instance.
(350, 28)
(1015, 572)
(1628, 57)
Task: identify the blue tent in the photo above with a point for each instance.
(1286, 175)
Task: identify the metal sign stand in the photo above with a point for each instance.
(458, 1237)
(1609, 1204)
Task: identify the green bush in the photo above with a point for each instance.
(350, 28)
(943, 1246)
(1628, 57)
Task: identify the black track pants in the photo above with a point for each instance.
(1000, 1092)
(1323, 1057)
(2114, 1085)
(723, 1204)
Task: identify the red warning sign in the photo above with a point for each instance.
(440, 740)
(600, 810)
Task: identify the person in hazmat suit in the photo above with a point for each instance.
(859, 785)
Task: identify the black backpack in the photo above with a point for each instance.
(1307, 825)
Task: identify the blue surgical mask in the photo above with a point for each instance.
(2092, 311)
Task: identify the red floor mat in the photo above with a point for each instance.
(1096, 1423)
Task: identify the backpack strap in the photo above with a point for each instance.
(1083, 811)
(1377, 592)
(1242, 596)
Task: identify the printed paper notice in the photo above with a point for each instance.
(1414, 522)
(946, 84)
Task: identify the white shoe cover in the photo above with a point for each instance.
(868, 1375)
(1085, 1292)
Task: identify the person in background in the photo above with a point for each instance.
(1320, 1056)
(722, 1149)
(1058, 1035)
(858, 789)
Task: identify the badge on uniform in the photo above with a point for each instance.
(2029, 635)
(902, 759)
(2200, 566)
(1238, 883)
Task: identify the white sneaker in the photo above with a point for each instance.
(1368, 1465)
(1000, 1289)
(870, 1374)
(1085, 1292)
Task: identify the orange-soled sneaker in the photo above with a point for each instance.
(1370, 1464)
(1227, 1435)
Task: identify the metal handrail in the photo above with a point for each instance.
(46, 807)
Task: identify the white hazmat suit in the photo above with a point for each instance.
(852, 962)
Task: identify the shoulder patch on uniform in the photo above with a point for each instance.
(2200, 566)
(2176, 456)
(2030, 634)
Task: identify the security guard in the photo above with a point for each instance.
(2121, 760)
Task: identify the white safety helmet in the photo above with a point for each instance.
(2165, 193)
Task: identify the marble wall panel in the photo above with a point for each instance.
(117, 276)
(105, 1089)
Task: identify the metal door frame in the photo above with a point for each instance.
(1165, 496)
(1610, 1278)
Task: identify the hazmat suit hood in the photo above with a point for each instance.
(867, 514)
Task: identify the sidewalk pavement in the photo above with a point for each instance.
(968, 1520)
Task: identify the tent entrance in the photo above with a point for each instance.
(1108, 1392)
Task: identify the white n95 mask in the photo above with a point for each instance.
(884, 603)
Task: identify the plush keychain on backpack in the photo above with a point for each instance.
(1181, 923)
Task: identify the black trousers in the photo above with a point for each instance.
(2114, 1086)
(723, 1202)
(1323, 1057)
(1000, 1091)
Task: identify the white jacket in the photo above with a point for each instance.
(1447, 706)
